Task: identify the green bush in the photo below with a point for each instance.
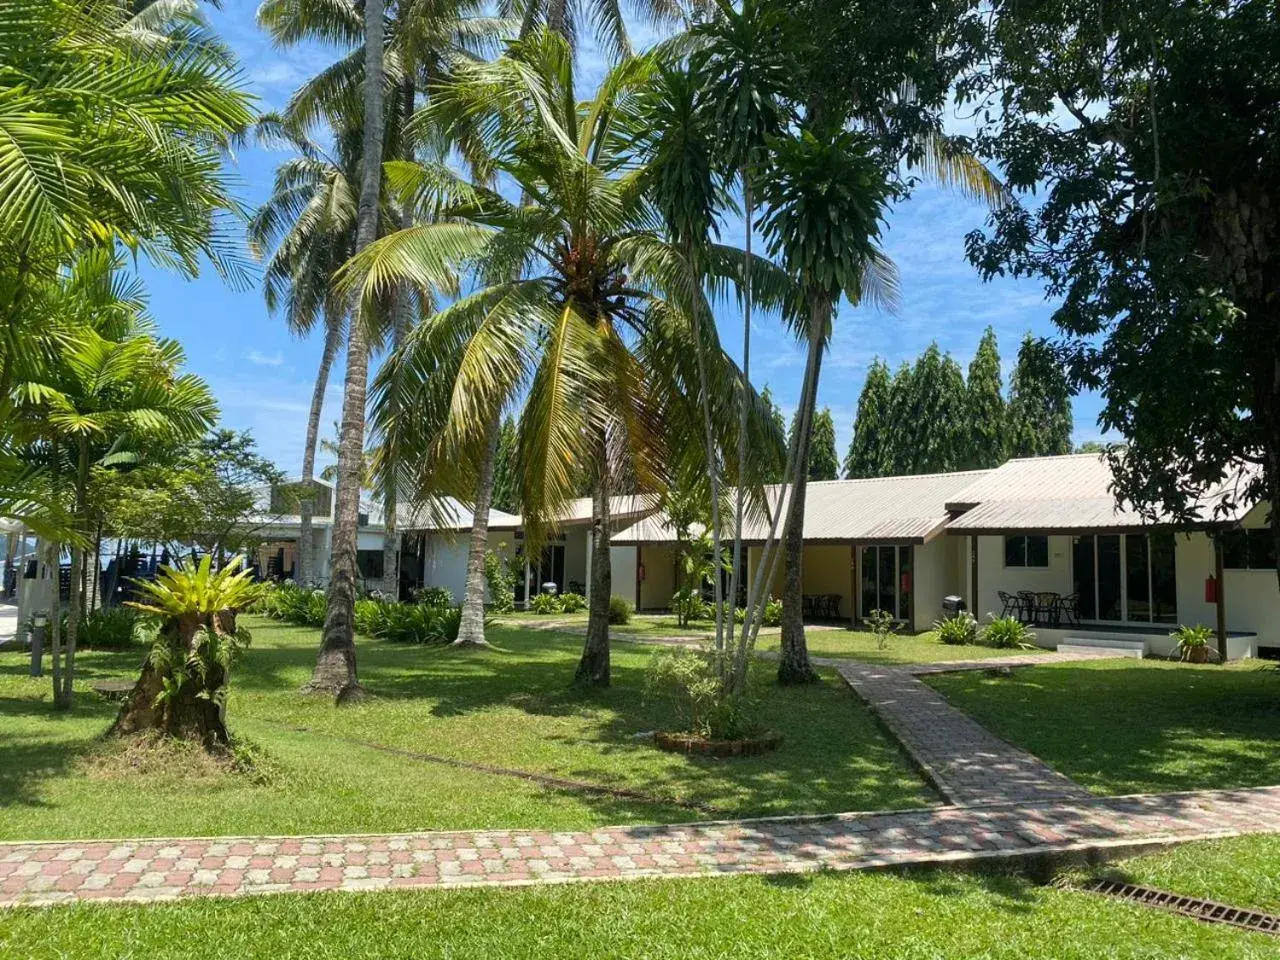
(688, 605)
(1007, 632)
(408, 622)
(959, 630)
(1191, 639)
(772, 613)
(545, 603)
(433, 596)
(293, 604)
(882, 626)
(113, 628)
(620, 610)
(688, 681)
(572, 603)
(501, 582)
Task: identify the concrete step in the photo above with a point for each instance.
(1120, 647)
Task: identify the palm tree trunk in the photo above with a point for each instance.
(307, 503)
(335, 669)
(471, 631)
(739, 507)
(593, 668)
(793, 660)
(74, 610)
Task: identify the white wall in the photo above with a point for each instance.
(623, 562)
(445, 565)
(659, 581)
(994, 576)
(937, 572)
(575, 558)
(1252, 596)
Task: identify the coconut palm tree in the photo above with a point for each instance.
(572, 284)
(113, 383)
(306, 230)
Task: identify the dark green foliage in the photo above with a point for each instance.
(500, 580)
(780, 426)
(1039, 413)
(823, 463)
(433, 596)
(506, 487)
(985, 408)
(1154, 222)
(929, 424)
(869, 448)
(112, 628)
(301, 606)
(407, 622)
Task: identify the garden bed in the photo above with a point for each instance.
(693, 744)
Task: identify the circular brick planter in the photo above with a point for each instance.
(691, 744)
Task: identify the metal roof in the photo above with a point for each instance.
(1063, 493)
(906, 509)
(623, 509)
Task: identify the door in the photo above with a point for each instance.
(1125, 579)
(886, 582)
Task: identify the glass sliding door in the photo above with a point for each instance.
(886, 581)
(1125, 579)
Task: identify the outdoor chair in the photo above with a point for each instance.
(1069, 610)
(1046, 604)
(1028, 600)
(1012, 605)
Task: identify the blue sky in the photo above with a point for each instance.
(263, 377)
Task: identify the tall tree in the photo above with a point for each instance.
(1039, 416)
(335, 669)
(869, 449)
(901, 399)
(985, 409)
(930, 439)
(822, 463)
(773, 472)
(1156, 221)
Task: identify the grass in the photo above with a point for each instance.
(1136, 726)
(510, 706)
(922, 916)
(823, 641)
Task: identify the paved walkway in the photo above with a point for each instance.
(965, 761)
(133, 870)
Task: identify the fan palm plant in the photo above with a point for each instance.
(113, 381)
(572, 285)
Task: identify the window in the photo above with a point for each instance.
(1249, 550)
(1026, 551)
(886, 580)
(369, 563)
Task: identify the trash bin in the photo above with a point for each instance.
(952, 605)
(551, 587)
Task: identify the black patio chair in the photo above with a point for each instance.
(1069, 609)
(1012, 605)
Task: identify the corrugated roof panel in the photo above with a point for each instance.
(884, 508)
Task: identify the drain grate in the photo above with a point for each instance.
(1197, 909)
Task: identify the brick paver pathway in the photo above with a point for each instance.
(965, 761)
(144, 870)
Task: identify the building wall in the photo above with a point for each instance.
(753, 563)
(623, 560)
(994, 576)
(576, 568)
(659, 583)
(445, 564)
(937, 571)
(1252, 596)
(827, 569)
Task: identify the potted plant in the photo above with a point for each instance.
(1193, 643)
(708, 719)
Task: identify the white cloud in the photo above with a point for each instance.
(264, 359)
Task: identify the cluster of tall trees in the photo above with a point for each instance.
(928, 417)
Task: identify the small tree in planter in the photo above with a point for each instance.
(183, 687)
(882, 627)
(1193, 643)
(709, 719)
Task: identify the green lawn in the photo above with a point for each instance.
(823, 641)
(901, 648)
(922, 916)
(510, 706)
(1136, 726)
(1242, 871)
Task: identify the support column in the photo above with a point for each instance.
(973, 575)
(1221, 605)
(853, 585)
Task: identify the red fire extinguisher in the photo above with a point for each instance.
(1211, 589)
(640, 573)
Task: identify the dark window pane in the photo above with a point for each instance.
(905, 584)
(1037, 551)
(1135, 560)
(868, 580)
(1015, 551)
(887, 580)
(1085, 582)
(1235, 550)
(1164, 580)
(1262, 550)
(1109, 577)
(369, 563)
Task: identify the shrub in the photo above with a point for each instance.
(545, 603)
(620, 610)
(435, 596)
(572, 603)
(688, 681)
(502, 585)
(958, 630)
(113, 628)
(408, 622)
(882, 626)
(1006, 632)
(1191, 640)
(293, 604)
(772, 613)
(688, 605)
